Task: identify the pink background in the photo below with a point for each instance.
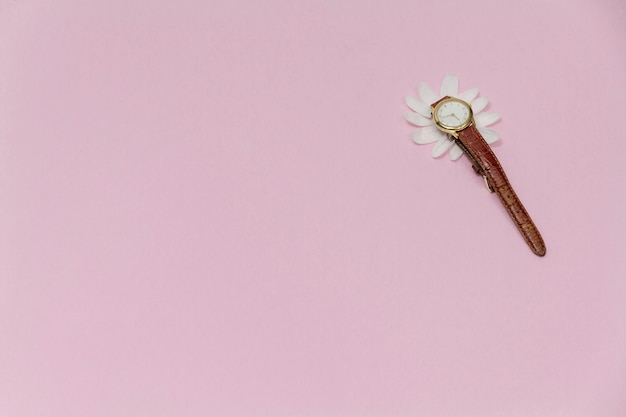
(215, 209)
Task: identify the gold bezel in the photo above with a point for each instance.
(453, 130)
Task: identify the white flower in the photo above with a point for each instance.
(429, 133)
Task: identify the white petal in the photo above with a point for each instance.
(428, 134)
(418, 120)
(456, 152)
(450, 86)
(486, 118)
(479, 104)
(441, 147)
(490, 135)
(418, 106)
(468, 95)
(427, 95)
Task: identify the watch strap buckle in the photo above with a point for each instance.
(489, 187)
(477, 169)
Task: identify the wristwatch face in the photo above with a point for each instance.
(452, 114)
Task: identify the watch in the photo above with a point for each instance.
(454, 117)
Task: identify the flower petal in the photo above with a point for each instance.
(490, 135)
(441, 147)
(486, 118)
(479, 104)
(427, 95)
(450, 86)
(468, 95)
(418, 120)
(428, 134)
(456, 152)
(418, 106)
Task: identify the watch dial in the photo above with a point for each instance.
(453, 113)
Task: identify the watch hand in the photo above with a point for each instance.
(450, 115)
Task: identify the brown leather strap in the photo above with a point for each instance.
(486, 163)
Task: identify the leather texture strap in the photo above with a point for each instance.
(486, 163)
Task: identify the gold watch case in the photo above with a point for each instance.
(452, 130)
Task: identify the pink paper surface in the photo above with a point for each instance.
(215, 209)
